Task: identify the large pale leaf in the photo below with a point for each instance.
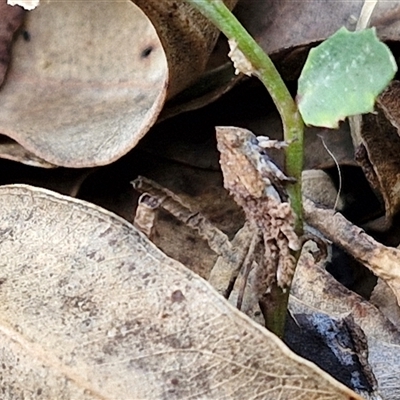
(90, 309)
(343, 76)
(87, 85)
(93, 76)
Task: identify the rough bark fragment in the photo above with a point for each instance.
(383, 261)
(315, 290)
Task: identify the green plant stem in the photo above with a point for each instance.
(293, 127)
(264, 69)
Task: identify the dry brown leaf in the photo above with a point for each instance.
(378, 153)
(187, 37)
(309, 21)
(201, 191)
(11, 150)
(337, 141)
(10, 20)
(90, 309)
(319, 187)
(384, 299)
(87, 85)
(208, 88)
(80, 96)
(314, 287)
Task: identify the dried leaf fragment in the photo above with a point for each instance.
(379, 149)
(383, 261)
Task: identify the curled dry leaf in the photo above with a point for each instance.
(10, 20)
(187, 37)
(88, 83)
(80, 96)
(208, 88)
(146, 214)
(90, 309)
(378, 153)
(11, 150)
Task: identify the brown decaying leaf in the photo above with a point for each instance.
(10, 20)
(146, 214)
(309, 21)
(78, 95)
(383, 298)
(383, 261)
(317, 185)
(11, 150)
(217, 240)
(89, 103)
(208, 88)
(90, 309)
(187, 37)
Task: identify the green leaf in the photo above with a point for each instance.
(343, 76)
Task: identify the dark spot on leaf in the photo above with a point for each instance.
(146, 52)
(177, 296)
(27, 36)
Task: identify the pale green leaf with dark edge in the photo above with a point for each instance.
(343, 76)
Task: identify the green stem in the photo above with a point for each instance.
(293, 127)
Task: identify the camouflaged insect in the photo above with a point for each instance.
(258, 186)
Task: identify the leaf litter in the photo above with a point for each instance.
(381, 335)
